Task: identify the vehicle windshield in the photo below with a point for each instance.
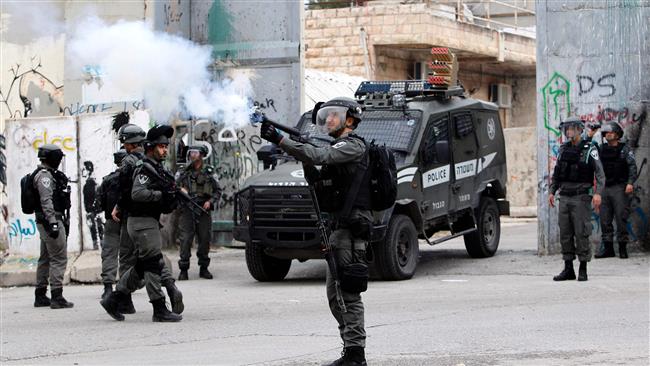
(395, 128)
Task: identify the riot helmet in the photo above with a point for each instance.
(571, 127)
(51, 155)
(196, 151)
(330, 117)
(158, 135)
(131, 134)
(612, 127)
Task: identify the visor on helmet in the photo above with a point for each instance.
(331, 118)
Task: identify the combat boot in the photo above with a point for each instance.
(125, 304)
(58, 301)
(183, 275)
(108, 288)
(582, 271)
(162, 314)
(567, 273)
(111, 303)
(622, 250)
(608, 251)
(351, 356)
(175, 297)
(40, 297)
(204, 273)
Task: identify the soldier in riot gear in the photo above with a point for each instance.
(132, 137)
(620, 173)
(577, 165)
(107, 197)
(200, 182)
(51, 186)
(150, 200)
(338, 117)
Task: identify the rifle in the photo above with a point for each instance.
(259, 117)
(328, 249)
(169, 181)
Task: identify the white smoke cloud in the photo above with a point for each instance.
(171, 72)
(27, 21)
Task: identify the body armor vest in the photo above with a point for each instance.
(336, 180)
(109, 193)
(154, 209)
(126, 180)
(199, 184)
(614, 164)
(573, 164)
(60, 192)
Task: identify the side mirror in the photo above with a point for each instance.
(442, 151)
(266, 155)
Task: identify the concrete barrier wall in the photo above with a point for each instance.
(593, 59)
(87, 141)
(521, 152)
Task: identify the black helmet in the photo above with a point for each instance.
(158, 134)
(50, 154)
(572, 121)
(200, 148)
(612, 127)
(130, 134)
(341, 108)
(118, 156)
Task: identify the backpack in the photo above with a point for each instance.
(383, 177)
(29, 199)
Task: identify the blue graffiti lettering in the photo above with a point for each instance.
(17, 231)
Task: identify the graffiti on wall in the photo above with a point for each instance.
(25, 137)
(557, 105)
(20, 230)
(39, 95)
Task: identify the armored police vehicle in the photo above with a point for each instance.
(451, 175)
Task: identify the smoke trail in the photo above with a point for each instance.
(171, 72)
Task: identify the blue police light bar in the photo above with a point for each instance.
(409, 88)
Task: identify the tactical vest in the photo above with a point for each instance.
(165, 205)
(199, 185)
(109, 193)
(614, 164)
(573, 164)
(336, 180)
(60, 192)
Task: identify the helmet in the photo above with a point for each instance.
(200, 148)
(130, 134)
(574, 122)
(118, 156)
(50, 154)
(158, 134)
(340, 107)
(612, 127)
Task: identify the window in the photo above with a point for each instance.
(463, 125)
(437, 130)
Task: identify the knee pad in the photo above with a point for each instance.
(153, 264)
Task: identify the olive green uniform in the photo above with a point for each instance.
(202, 186)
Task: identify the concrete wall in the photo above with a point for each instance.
(593, 59)
(521, 152)
(262, 38)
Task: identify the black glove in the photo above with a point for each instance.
(270, 134)
(52, 230)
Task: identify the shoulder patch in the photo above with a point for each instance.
(209, 169)
(143, 179)
(339, 144)
(46, 182)
(594, 154)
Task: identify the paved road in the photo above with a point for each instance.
(504, 310)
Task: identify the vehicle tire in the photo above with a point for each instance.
(485, 240)
(397, 256)
(263, 267)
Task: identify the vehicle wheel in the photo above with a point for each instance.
(485, 241)
(397, 256)
(265, 268)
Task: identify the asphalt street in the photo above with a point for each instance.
(504, 310)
